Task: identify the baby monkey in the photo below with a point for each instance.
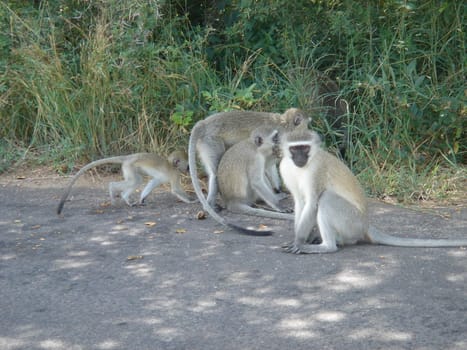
(242, 179)
(327, 195)
(133, 167)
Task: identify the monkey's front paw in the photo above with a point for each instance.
(217, 208)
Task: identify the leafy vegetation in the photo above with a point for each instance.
(84, 79)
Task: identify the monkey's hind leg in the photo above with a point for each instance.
(114, 189)
(156, 181)
(125, 188)
(210, 152)
(339, 223)
(131, 182)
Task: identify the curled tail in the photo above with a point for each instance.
(194, 137)
(378, 237)
(117, 160)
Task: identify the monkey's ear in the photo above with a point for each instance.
(301, 118)
(258, 141)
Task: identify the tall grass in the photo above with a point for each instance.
(84, 80)
(103, 100)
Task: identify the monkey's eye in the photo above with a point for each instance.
(258, 141)
(275, 138)
(304, 149)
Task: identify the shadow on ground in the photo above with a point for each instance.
(155, 277)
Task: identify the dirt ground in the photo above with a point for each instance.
(156, 277)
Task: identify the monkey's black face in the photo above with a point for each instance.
(300, 154)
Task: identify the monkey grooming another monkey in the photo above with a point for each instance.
(133, 167)
(242, 179)
(212, 136)
(328, 195)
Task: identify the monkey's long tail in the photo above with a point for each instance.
(250, 231)
(378, 237)
(194, 137)
(114, 160)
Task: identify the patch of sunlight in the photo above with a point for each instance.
(252, 301)
(167, 334)
(165, 304)
(7, 343)
(72, 263)
(330, 316)
(455, 278)
(377, 302)
(118, 228)
(79, 253)
(53, 344)
(350, 279)
(295, 323)
(302, 334)
(385, 335)
(287, 302)
(297, 327)
(240, 277)
(152, 321)
(460, 345)
(6, 257)
(141, 270)
(263, 290)
(103, 240)
(458, 253)
(204, 305)
(108, 345)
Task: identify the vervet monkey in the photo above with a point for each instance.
(133, 167)
(328, 195)
(242, 179)
(212, 136)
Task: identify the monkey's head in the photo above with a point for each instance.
(179, 160)
(294, 118)
(299, 145)
(265, 138)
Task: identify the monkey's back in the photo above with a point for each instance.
(243, 122)
(232, 173)
(340, 178)
(152, 160)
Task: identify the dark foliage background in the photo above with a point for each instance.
(80, 79)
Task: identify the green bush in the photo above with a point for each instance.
(88, 79)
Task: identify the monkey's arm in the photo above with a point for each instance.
(272, 176)
(180, 193)
(305, 220)
(266, 194)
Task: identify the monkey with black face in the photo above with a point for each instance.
(133, 167)
(212, 136)
(327, 195)
(242, 179)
